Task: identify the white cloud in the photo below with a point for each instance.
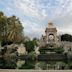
(59, 11)
(30, 8)
(32, 29)
(41, 11)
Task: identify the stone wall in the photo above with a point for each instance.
(67, 45)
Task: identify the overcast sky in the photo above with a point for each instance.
(35, 14)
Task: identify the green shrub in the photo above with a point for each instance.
(59, 50)
(28, 65)
(30, 62)
(10, 65)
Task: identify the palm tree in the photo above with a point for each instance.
(3, 27)
(15, 30)
(10, 29)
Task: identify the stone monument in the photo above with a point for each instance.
(51, 38)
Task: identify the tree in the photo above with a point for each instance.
(11, 29)
(15, 31)
(30, 45)
(66, 37)
(3, 27)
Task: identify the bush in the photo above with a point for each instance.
(41, 65)
(59, 50)
(2, 63)
(10, 65)
(30, 62)
(29, 45)
(28, 65)
(42, 51)
(45, 49)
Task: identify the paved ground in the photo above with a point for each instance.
(34, 70)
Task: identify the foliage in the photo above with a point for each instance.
(10, 65)
(32, 55)
(30, 62)
(9, 58)
(42, 65)
(30, 45)
(66, 37)
(60, 65)
(2, 63)
(11, 29)
(59, 50)
(45, 49)
(70, 64)
(8, 62)
(42, 51)
(28, 65)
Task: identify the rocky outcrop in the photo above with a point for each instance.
(21, 50)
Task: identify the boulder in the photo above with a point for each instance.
(21, 50)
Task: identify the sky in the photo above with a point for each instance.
(35, 15)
